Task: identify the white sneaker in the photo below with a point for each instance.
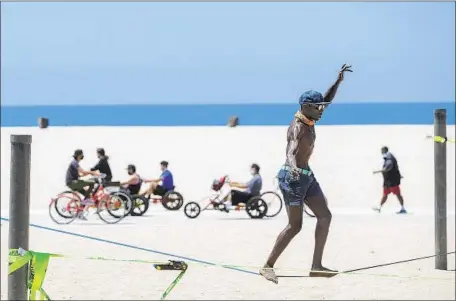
(376, 209)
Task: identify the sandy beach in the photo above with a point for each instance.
(359, 237)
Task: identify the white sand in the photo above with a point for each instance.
(343, 161)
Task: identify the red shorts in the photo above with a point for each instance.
(394, 190)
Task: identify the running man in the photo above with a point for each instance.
(166, 179)
(298, 183)
(391, 180)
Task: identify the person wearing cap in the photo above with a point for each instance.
(298, 184)
(391, 180)
(250, 189)
(103, 165)
(166, 180)
(74, 171)
(133, 185)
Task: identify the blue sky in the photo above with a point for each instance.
(117, 53)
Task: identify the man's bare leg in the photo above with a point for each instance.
(150, 190)
(382, 202)
(401, 202)
(319, 206)
(294, 227)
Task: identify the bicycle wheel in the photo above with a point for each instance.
(192, 210)
(274, 202)
(308, 211)
(111, 209)
(62, 200)
(172, 200)
(256, 207)
(65, 208)
(127, 201)
(140, 205)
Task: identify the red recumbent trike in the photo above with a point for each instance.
(267, 204)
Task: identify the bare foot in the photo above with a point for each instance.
(269, 274)
(322, 272)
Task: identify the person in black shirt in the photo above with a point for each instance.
(391, 179)
(72, 176)
(103, 165)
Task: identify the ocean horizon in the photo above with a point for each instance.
(219, 114)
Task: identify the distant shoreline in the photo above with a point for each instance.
(218, 115)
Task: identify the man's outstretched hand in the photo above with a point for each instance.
(345, 68)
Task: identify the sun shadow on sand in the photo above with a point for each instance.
(97, 224)
(246, 218)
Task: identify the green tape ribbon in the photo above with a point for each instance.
(38, 263)
(173, 284)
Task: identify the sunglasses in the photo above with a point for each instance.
(320, 106)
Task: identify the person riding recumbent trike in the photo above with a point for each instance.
(267, 204)
(169, 198)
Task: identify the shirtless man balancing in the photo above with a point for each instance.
(298, 183)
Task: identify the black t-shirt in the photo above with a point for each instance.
(103, 167)
(392, 175)
(72, 173)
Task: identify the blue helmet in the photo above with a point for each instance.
(311, 96)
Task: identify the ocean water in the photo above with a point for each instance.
(216, 115)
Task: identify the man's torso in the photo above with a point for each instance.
(72, 173)
(254, 185)
(306, 142)
(392, 177)
(105, 168)
(136, 185)
(168, 182)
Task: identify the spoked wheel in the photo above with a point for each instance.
(308, 211)
(127, 202)
(256, 207)
(112, 209)
(274, 202)
(140, 205)
(192, 210)
(172, 200)
(65, 208)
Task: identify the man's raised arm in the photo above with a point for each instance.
(329, 95)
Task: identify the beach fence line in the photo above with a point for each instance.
(27, 268)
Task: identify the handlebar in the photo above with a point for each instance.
(98, 178)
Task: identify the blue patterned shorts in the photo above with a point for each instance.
(295, 191)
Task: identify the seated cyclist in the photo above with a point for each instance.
(166, 180)
(103, 165)
(72, 177)
(250, 189)
(133, 185)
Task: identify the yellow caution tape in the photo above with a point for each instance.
(440, 139)
(38, 263)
